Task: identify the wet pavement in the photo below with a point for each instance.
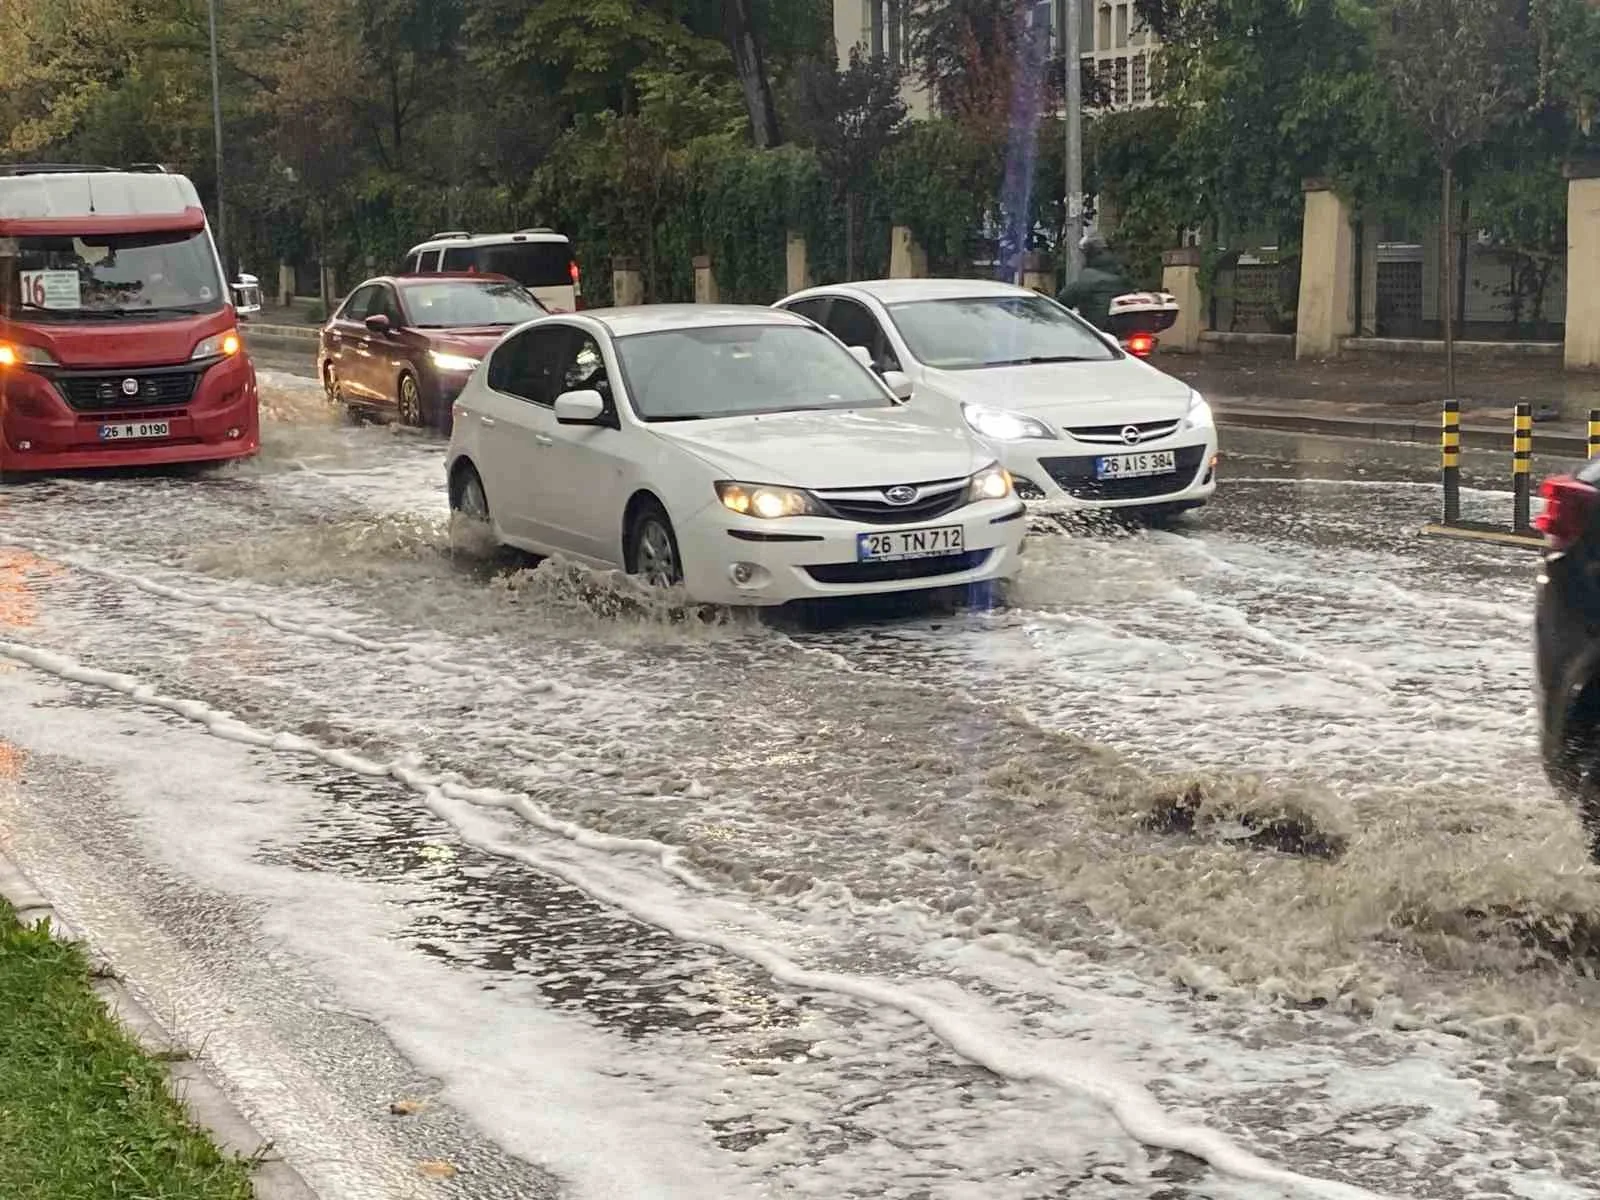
(1217, 852)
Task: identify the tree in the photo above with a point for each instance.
(1451, 66)
(752, 71)
(984, 61)
(851, 117)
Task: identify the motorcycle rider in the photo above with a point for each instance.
(1101, 280)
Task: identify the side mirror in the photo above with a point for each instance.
(379, 324)
(863, 356)
(580, 408)
(899, 383)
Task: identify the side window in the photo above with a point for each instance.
(853, 325)
(586, 368)
(387, 303)
(532, 365)
(412, 264)
(428, 262)
(359, 305)
(815, 309)
(460, 258)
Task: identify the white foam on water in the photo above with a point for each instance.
(969, 1035)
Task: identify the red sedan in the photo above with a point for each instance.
(406, 345)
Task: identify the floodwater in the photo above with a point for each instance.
(1215, 863)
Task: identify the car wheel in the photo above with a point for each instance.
(409, 402)
(468, 497)
(653, 548)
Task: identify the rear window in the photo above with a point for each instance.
(532, 264)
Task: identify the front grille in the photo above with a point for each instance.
(869, 505)
(911, 568)
(1149, 431)
(99, 393)
(1076, 478)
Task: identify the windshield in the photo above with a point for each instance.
(66, 277)
(994, 331)
(742, 370)
(457, 305)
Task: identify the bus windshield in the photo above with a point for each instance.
(63, 277)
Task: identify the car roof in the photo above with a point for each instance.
(901, 291)
(661, 318)
(96, 194)
(450, 277)
(547, 236)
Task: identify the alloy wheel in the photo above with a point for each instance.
(655, 557)
(410, 402)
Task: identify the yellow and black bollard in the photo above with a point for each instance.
(1450, 460)
(1594, 432)
(1521, 463)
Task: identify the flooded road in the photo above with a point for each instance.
(1216, 863)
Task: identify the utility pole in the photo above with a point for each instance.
(1072, 17)
(216, 129)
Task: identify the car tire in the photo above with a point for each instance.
(652, 547)
(408, 401)
(468, 497)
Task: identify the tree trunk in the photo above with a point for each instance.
(1447, 284)
(1463, 266)
(849, 236)
(752, 71)
(396, 116)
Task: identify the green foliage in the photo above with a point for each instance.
(86, 1114)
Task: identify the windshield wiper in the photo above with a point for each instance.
(681, 417)
(188, 310)
(1036, 359)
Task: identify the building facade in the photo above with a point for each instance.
(1113, 43)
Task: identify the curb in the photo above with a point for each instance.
(205, 1104)
(1388, 429)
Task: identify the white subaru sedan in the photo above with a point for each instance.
(1079, 422)
(741, 452)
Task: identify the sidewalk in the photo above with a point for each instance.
(1392, 399)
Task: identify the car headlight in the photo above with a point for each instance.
(1199, 414)
(991, 483)
(767, 502)
(218, 345)
(453, 362)
(12, 355)
(1004, 426)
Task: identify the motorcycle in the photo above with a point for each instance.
(1136, 318)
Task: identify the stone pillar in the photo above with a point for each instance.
(705, 281)
(1583, 265)
(1037, 274)
(1327, 274)
(285, 284)
(627, 282)
(798, 263)
(329, 291)
(907, 260)
(1180, 275)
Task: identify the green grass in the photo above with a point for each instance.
(84, 1113)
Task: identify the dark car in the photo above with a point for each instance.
(1567, 624)
(406, 345)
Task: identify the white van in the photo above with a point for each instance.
(541, 260)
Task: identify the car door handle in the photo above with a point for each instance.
(544, 439)
(486, 421)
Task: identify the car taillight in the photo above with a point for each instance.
(1141, 344)
(1568, 506)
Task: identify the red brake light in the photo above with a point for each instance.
(1568, 505)
(577, 275)
(1141, 344)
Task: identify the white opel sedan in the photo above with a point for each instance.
(741, 452)
(1079, 422)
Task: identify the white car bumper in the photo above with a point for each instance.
(729, 559)
(1065, 473)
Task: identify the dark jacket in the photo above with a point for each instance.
(1100, 281)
